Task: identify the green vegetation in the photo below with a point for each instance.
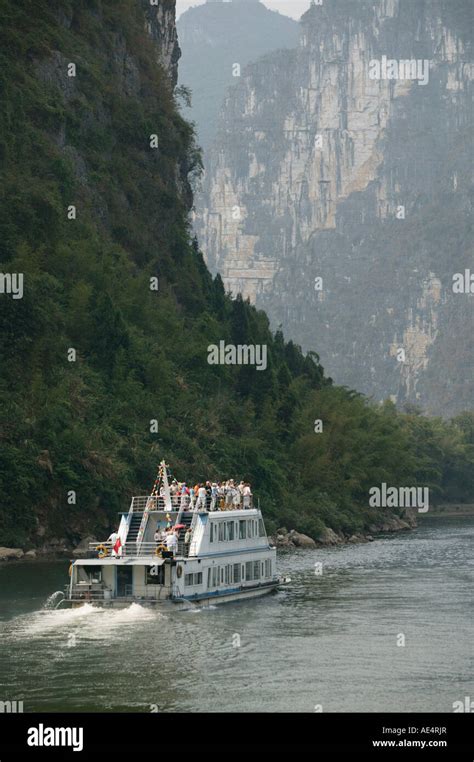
(84, 425)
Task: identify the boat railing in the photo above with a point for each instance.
(106, 550)
(180, 503)
(85, 592)
(148, 503)
(233, 503)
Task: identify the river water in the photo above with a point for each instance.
(330, 640)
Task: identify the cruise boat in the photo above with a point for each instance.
(221, 553)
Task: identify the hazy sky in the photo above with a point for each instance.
(294, 8)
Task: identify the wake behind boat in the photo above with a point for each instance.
(176, 546)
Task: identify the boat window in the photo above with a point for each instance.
(209, 577)
(212, 533)
(215, 578)
(243, 571)
(236, 572)
(230, 530)
(242, 529)
(193, 579)
(261, 528)
(256, 569)
(222, 575)
(221, 530)
(91, 576)
(81, 574)
(268, 568)
(248, 570)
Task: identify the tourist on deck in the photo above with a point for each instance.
(201, 498)
(247, 495)
(174, 490)
(229, 494)
(171, 542)
(187, 539)
(214, 493)
(236, 498)
(211, 496)
(220, 495)
(208, 495)
(113, 538)
(185, 497)
(159, 536)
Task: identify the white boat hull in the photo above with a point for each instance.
(183, 603)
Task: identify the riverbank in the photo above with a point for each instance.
(450, 510)
(329, 537)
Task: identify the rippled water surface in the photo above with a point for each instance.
(329, 639)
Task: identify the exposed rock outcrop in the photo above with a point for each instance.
(160, 25)
(10, 554)
(320, 171)
(328, 537)
(83, 546)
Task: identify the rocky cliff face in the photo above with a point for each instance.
(160, 22)
(338, 195)
(157, 18)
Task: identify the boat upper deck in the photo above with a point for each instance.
(197, 532)
(178, 521)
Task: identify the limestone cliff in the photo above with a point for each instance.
(340, 202)
(160, 22)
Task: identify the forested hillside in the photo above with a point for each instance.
(95, 356)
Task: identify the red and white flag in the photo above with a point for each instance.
(118, 547)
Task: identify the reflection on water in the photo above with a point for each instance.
(327, 639)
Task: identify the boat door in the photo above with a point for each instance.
(124, 584)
